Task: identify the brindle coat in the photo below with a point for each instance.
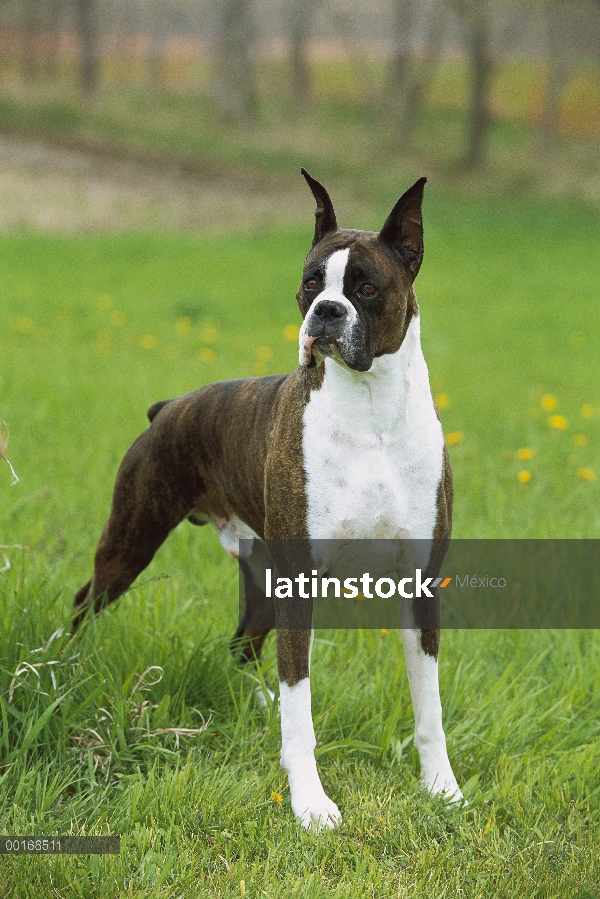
(234, 448)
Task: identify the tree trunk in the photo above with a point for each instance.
(480, 60)
(423, 73)
(87, 26)
(30, 20)
(403, 16)
(301, 14)
(235, 89)
(558, 73)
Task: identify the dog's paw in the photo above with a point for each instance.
(316, 812)
(444, 786)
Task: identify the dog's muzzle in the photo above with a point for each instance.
(324, 328)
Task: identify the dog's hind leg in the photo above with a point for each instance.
(257, 614)
(154, 491)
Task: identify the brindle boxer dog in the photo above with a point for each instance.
(347, 445)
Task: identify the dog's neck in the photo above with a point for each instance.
(389, 394)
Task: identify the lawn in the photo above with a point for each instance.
(93, 330)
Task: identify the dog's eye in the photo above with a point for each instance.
(311, 284)
(368, 289)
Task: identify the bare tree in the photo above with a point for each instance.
(300, 17)
(235, 89)
(414, 63)
(476, 20)
(87, 28)
(402, 25)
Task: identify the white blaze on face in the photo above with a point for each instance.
(334, 274)
(335, 268)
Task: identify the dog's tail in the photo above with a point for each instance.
(155, 409)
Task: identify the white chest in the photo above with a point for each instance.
(373, 449)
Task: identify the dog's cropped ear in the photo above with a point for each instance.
(325, 221)
(403, 228)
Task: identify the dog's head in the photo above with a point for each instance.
(356, 295)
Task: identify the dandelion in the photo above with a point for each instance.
(104, 337)
(103, 302)
(442, 401)
(577, 339)
(586, 411)
(209, 334)
(525, 453)
(21, 323)
(276, 797)
(264, 353)
(524, 476)
(147, 341)
(117, 318)
(454, 437)
(384, 632)
(588, 474)
(259, 368)
(558, 422)
(183, 325)
(549, 402)
(580, 440)
(291, 332)
(206, 355)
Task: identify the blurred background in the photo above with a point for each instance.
(197, 114)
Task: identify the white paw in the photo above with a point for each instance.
(445, 786)
(316, 811)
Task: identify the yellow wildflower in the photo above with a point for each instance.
(442, 401)
(103, 302)
(118, 318)
(454, 437)
(577, 338)
(549, 402)
(523, 477)
(21, 323)
(276, 797)
(209, 334)
(586, 411)
(183, 325)
(525, 453)
(264, 353)
(580, 440)
(205, 354)
(559, 422)
(588, 474)
(290, 332)
(147, 341)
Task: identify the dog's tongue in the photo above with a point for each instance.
(307, 350)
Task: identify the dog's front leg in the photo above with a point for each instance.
(420, 652)
(309, 800)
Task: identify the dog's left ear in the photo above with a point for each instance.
(325, 220)
(403, 228)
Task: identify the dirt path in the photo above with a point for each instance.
(81, 190)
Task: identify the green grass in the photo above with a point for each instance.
(509, 299)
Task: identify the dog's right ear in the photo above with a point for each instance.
(325, 221)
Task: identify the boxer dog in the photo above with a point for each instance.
(349, 445)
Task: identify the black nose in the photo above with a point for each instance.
(327, 310)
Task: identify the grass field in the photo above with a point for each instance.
(95, 329)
